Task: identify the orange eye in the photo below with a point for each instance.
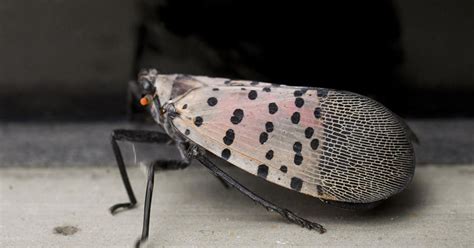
(144, 101)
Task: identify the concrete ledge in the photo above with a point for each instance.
(191, 208)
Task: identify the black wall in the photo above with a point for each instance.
(72, 60)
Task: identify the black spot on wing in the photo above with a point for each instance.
(308, 132)
(198, 121)
(229, 137)
(298, 93)
(254, 83)
(237, 117)
(225, 154)
(297, 146)
(187, 132)
(284, 169)
(317, 112)
(266, 89)
(272, 108)
(269, 155)
(295, 118)
(227, 82)
(262, 171)
(314, 144)
(299, 102)
(252, 95)
(269, 126)
(215, 89)
(185, 106)
(263, 138)
(212, 101)
(296, 183)
(298, 159)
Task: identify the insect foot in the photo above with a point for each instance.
(124, 206)
(302, 222)
(141, 242)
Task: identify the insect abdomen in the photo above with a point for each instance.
(366, 154)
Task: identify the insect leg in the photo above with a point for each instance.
(147, 208)
(352, 206)
(224, 183)
(287, 214)
(133, 136)
(183, 152)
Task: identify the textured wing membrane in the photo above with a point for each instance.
(366, 152)
(328, 144)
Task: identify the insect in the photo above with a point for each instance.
(338, 146)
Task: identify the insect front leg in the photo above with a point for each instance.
(287, 214)
(137, 136)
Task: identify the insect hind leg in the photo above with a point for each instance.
(142, 136)
(287, 214)
(147, 207)
(183, 150)
(352, 206)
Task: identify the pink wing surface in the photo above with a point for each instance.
(329, 144)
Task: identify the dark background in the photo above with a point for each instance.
(71, 60)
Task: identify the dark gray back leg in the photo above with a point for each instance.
(182, 147)
(147, 208)
(133, 136)
(353, 206)
(287, 214)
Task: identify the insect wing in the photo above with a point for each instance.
(328, 144)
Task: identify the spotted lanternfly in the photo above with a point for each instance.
(338, 146)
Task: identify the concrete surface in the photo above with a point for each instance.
(192, 209)
(36, 144)
(57, 181)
